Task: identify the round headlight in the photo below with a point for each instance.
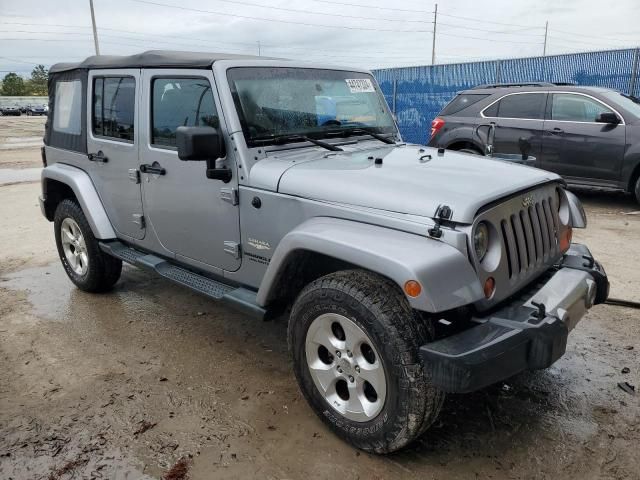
(481, 240)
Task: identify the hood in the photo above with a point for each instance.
(406, 181)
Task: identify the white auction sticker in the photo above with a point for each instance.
(360, 85)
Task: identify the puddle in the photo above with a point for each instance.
(14, 175)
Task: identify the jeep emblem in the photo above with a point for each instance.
(527, 201)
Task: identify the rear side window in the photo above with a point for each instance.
(180, 102)
(462, 101)
(522, 105)
(67, 116)
(114, 101)
(576, 108)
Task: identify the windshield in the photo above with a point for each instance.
(280, 102)
(630, 104)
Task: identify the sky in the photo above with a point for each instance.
(360, 33)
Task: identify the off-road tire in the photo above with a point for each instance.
(378, 307)
(636, 189)
(103, 270)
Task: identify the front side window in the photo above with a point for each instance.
(180, 102)
(277, 102)
(114, 107)
(523, 105)
(576, 108)
(67, 116)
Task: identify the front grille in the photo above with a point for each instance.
(530, 236)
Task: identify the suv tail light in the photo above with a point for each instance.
(436, 124)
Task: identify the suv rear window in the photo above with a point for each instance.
(520, 105)
(114, 107)
(462, 101)
(67, 110)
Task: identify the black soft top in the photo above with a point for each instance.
(151, 59)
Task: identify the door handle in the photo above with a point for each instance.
(557, 131)
(154, 169)
(97, 157)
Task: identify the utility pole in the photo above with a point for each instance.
(95, 31)
(433, 46)
(546, 31)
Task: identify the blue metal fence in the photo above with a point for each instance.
(417, 94)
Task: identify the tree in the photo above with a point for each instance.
(39, 80)
(13, 85)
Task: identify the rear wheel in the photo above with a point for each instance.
(472, 151)
(354, 341)
(88, 267)
(636, 190)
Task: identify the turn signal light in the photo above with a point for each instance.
(565, 239)
(412, 288)
(489, 287)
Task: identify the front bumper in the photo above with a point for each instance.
(525, 334)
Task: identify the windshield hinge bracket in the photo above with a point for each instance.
(229, 195)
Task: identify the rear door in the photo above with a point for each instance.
(576, 146)
(112, 146)
(518, 116)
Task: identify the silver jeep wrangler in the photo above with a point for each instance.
(284, 187)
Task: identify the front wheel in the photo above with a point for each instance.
(88, 267)
(636, 190)
(354, 341)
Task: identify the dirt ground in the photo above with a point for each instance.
(123, 385)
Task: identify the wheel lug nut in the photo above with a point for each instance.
(338, 354)
(349, 354)
(339, 369)
(357, 369)
(350, 378)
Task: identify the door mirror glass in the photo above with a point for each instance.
(199, 143)
(608, 117)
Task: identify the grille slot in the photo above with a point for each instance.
(530, 236)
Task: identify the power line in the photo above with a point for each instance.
(595, 38)
(292, 22)
(518, 31)
(488, 21)
(376, 7)
(307, 12)
(322, 53)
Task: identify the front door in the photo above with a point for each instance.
(576, 146)
(112, 146)
(193, 217)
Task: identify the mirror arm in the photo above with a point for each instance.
(214, 173)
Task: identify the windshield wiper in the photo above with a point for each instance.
(282, 139)
(355, 130)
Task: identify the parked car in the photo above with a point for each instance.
(284, 187)
(37, 110)
(10, 110)
(589, 135)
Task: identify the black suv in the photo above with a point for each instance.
(589, 135)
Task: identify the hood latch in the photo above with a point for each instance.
(443, 212)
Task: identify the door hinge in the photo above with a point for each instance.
(229, 195)
(138, 219)
(134, 175)
(232, 248)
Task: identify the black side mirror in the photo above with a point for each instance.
(203, 143)
(608, 117)
(199, 143)
(525, 147)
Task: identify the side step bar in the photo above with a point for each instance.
(239, 298)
